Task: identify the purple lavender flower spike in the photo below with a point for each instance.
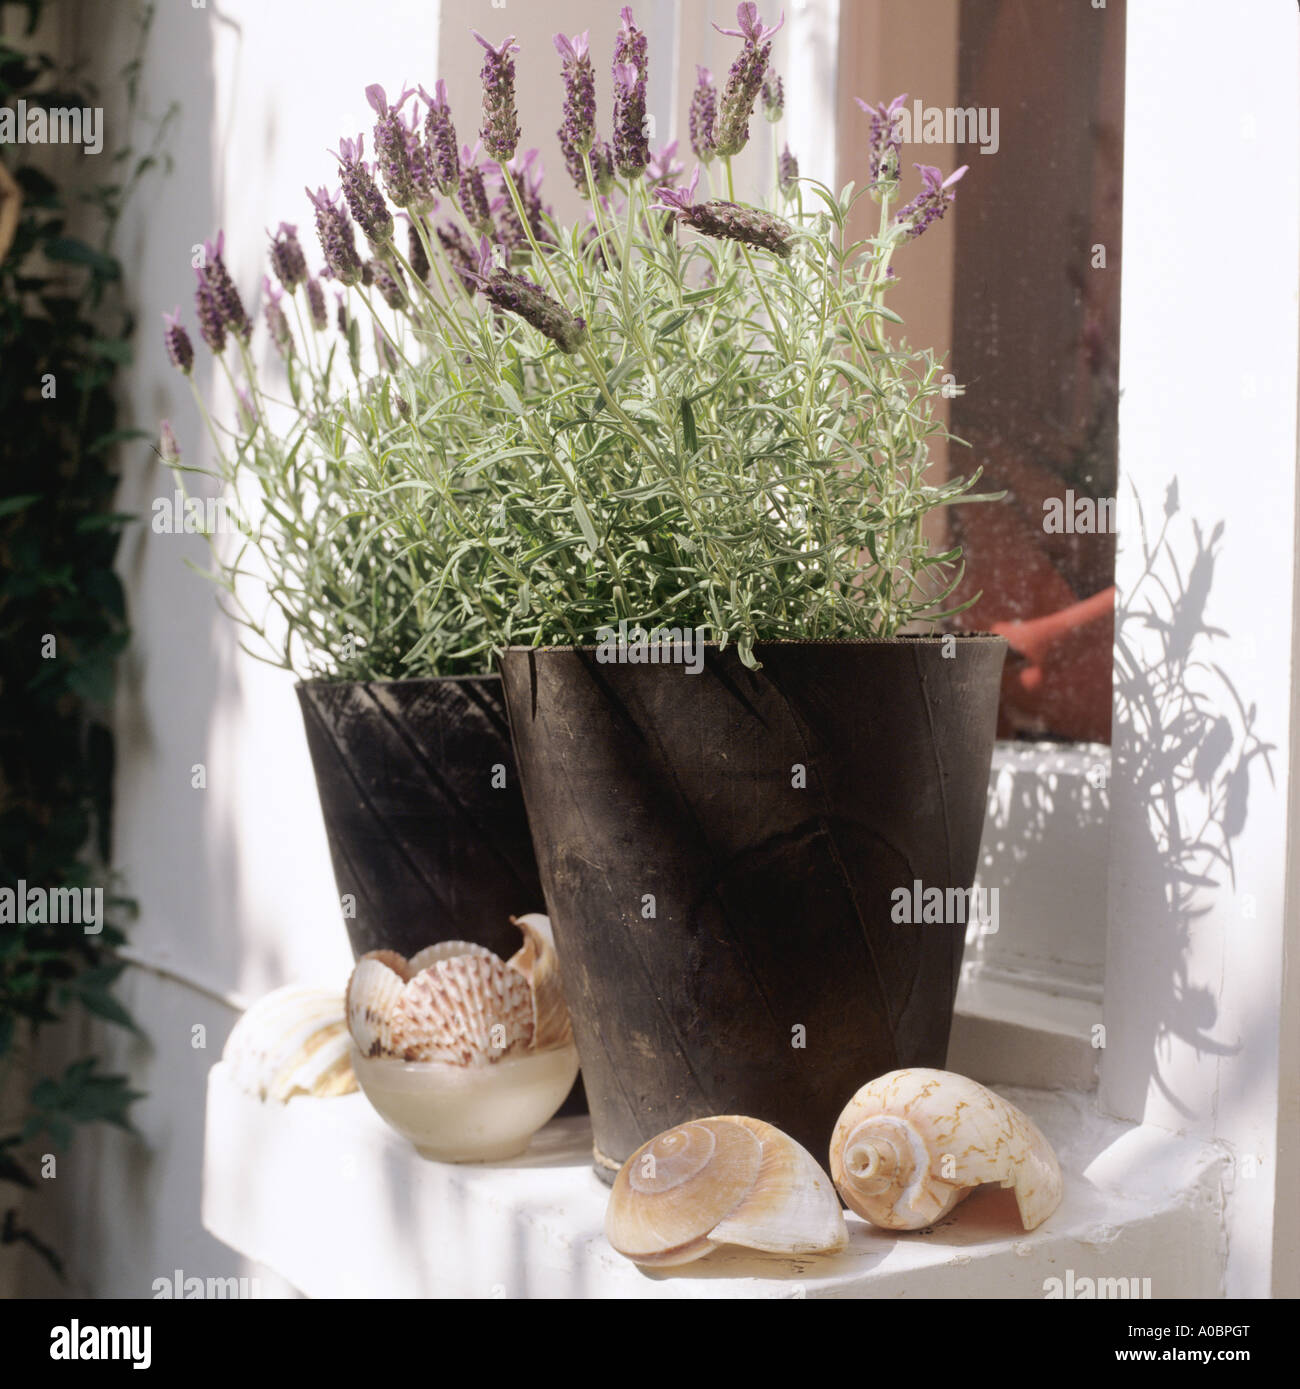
(391, 152)
(224, 294)
(514, 294)
(745, 80)
(500, 131)
(773, 96)
(415, 252)
(316, 306)
(180, 350)
(579, 128)
(473, 193)
(933, 200)
(630, 72)
(361, 193)
(726, 221)
(886, 138)
(704, 114)
(421, 161)
(461, 254)
(787, 171)
(287, 259)
(212, 325)
(276, 321)
(390, 283)
(167, 445)
(440, 139)
(336, 239)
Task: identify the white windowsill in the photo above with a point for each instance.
(327, 1196)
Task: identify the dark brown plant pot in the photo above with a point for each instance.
(423, 811)
(720, 854)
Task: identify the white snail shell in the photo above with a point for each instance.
(911, 1144)
(726, 1180)
(291, 1042)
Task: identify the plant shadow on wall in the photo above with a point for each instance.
(1185, 742)
(64, 337)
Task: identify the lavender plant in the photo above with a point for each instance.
(682, 411)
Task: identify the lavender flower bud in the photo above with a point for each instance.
(745, 80)
(886, 139)
(631, 70)
(932, 202)
(773, 96)
(316, 306)
(461, 255)
(390, 282)
(704, 113)
(361, 192)
(287, 259)
(224, 294)
(421, 160)
(167, 445)
(440, 140)
(514, 294)
(342, 318)
(391, 152)
(212, 325)
(727, 221)
(281, 335)
(500, 133)
(579, 129)
(787, 171)
(336, 239)
(473, 195)
(180, 350)
(416, 254)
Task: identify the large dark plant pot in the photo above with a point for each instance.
(724, 918)
(424, 836)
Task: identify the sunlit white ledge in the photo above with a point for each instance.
(323, 1193)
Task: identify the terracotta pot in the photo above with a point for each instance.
(720, 854)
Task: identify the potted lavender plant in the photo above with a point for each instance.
(670, 463)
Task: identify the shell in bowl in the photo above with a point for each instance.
(294, 1041)
(725, 1180)
(464, 1053)
(912, 1144)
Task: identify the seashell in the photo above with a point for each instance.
(374, 991)
(292, 1042)
(468, 1011)
(444, 950)
(537, 961)
(911, 1144)
(727, 1180)
(397, 963)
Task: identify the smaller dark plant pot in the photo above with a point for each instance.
(423, 811)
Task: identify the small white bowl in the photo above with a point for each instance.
(468, 1113)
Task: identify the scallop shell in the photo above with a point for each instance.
(537, 961)
(397, 963)
(726, 1180)
(468, 1011)
(444, 950)
(911, 1144)
(374, 991)
(292, 1042)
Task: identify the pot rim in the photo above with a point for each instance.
(319, 680)
(920, 639)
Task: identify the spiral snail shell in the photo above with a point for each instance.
(911, 1144)
(726, 1180)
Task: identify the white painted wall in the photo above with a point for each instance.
(1193, 999)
